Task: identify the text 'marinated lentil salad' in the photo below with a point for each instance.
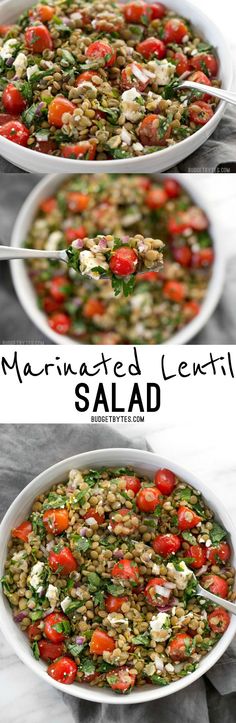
(97, 80)
(102, 578)
(159, 303)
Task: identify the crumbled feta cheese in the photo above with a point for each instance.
(169, 668)
(159, 665)
(53, 241)
(8, 48)
(181, 577)
(31, 70)
(35, 578)
(142, 303)
(65, 603)
(137, 147)
(163, 71)
(125, 136)
(156, 569)
(20, 64)
(131, 218)
(116, 619)
(52, 595)
(149, 669)
(160, 627)
(88, 262)
(91, 521)
(208, 543)
(18, 555)
(132, 109)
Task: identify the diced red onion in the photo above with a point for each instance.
(9, 62)
(118, 554)
(84, 531)
(167, 607)
(39, 108)
(78, 243)
(102, 243)
(20, 616)
(80, 639)
(202, 570)
(50, 545)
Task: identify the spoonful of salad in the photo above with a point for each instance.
(103, 257)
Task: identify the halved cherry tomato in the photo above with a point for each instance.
(23, 531)
(166, 545)
(148, 498)
(165, 481)
(63, 670)
(181, 647)
(16, 132)
(34, 632)
(115, 522)
(100, 50)
(58, 288)
(123, 261)
(149, 133)
(174, 290)
(50, 651)
(126, 570)
(64, 560)
(148, 276)
(196, 219)
(198, 553)
(4, 29)
(172, 188)
(219, 620)
(182, 254)
(50, 305)
(121, 679)
(86, 77)
(93, 514)
(191, 309)
(155, 596)
(187, 518)
(48, 205)
(45, 12)
(199, 77)
(60, 323)
(113, 604)
(137, 12)
(51, 622)
(175, 31)
(178, 223)
(215, 584)
(132, 483)
(73, 233)
(200, 113)
(6, 118)
(218, 552)
(38, 38)
(47, 147)
(206, 62)
(129, 79)
(77, 202)
(203, 257)
(156, 198)
(182, 63)
(80, 150)
(93, 307)
(101, 642)
(56, 520)
(12, 99)
(150, 47)
(58, 106)
(158, 10)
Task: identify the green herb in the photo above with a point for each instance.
(189, 669)
(82, 543)
(143, 639)
(54, 501)
(36, 615)
(189, 538)
(94, 581)
(112, 113)
(26, 90)
(116, 590)
(169, 90)
(185, 494)
(73, 255)
(75, 649)
(67, 57)
(30, 114)
(157, 680)
(217, 533)
(118, 153)
(190, 590)
(35, 649)
(104, 667)
(204, 240)
(157, 511)
(98, 598)
(92, 477)
(79, 498)
(63, 627)
(4, 582)
(112, 678)
(74, 605)
(120, 285)
(87, 666)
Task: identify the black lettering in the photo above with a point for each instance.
(136, 399)
(100, 399)
(135, 365)
(150, 387)
(78, 406)
(114, 408)
(165, 377)
(6, 365)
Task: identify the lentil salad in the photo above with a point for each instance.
(100, 577)
(161, 303)
(98, 80)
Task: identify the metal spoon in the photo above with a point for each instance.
(227, 95)
(230, 606)
(11, 252)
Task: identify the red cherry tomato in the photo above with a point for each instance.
(191, 309)
(48, 205)
(101, 642)
(56, 520)
(93, 514)
(113, 604)
(156, 198)
(86, 77)
(200, 113)
(165, 481)
(4, 29)
(56, 110)
(174, 290)
(23, 531)
(60, 323)
(121, 680)
(137, 12)
(181, 647)
(202, 258)
(143, 182)
(50, 651)
(175, 31)
(182, 63)
(63, 670)
(215, 584)
(158, 10)
(218, 620)
(47, 147)
(50, 305)
(58, 288)
(126, 570)
(16, 132)
(149, 133)
(148, 276)
(205, 62)
(64, 560)
(129, 80)
(148, 498)
(218, 552)
(73, 233)
(154, 596)
(84, 149)
(52, 620)
(182, 254)
(196, 219)
(178, 223)
(198, 553)
(38, 38)
(123, 261)
(100, 50)
(150, 47)
(172, 188)
(93, 307)
(77, 202)
(6, 118)
(34, 632)
(132, 483)
(44, 12)
(166, 545)
(12, 100)
(187, 518)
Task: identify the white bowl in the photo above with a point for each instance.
(159, 161)
(24, 287)
(142, 462)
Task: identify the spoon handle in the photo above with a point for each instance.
(226, 95)
(230, 606)
(9, 252)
